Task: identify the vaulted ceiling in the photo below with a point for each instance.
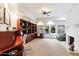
(32, 10)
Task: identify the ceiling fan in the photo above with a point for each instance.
(46, 12)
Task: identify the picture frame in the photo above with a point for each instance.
(7, 17)
(1, 14)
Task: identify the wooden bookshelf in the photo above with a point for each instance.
(23, 26)
(28, 28)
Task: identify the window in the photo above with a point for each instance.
(46, 29)
(61, 29)
(53, 29)
(61, 33)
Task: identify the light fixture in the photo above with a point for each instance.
(50, 23)
(6, 5)
(40, 23)
(45, 9)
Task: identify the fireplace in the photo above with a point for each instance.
(71, 43)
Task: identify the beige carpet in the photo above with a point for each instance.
(45, 47)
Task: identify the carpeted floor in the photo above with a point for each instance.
(45, 47)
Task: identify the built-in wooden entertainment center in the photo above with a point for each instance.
(27, 28)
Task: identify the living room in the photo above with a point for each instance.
(36, 24)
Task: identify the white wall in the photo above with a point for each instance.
(3, 27)
(74, 32)
(72, 27)
(13, 20)
(51, 35)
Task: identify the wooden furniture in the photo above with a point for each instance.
(27, 28)
(30, 37)
(6, 39)
(23, 26)
(16, 45)
(31, 31)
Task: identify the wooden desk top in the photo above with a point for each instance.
(18, 41)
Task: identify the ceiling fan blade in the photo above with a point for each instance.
(45, 13)
(49, 12)
(42, 10)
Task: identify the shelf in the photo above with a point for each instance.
(23, 29)
(28, 28)
(23, 25)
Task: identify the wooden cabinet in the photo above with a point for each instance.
(30, 37)
(27, 28)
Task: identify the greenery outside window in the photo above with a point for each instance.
(46, 29)
(53, 29)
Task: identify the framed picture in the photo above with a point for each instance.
(1, 15)
(7, 17)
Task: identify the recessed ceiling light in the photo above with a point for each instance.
(40, 23)
(50, 23)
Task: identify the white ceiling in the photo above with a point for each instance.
(32, 10)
